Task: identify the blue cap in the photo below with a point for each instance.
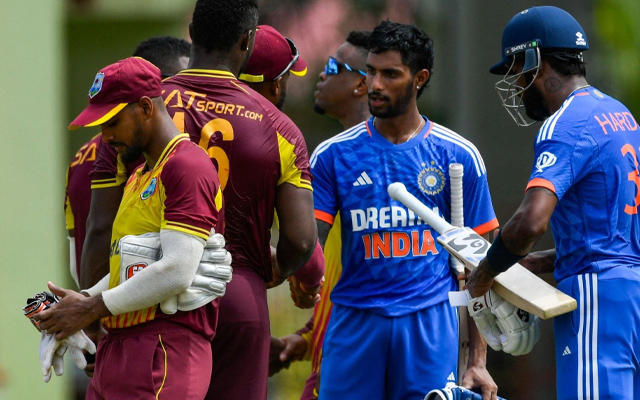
(546, 27)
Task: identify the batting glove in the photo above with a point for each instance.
(486, 321)
(210, 281)
(521, 330)
(454, 393)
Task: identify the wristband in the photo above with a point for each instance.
(499, 257)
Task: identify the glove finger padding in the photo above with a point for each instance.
(81, 341)
(486, 322)
(48, 347)
(521, 330)
(170, 305)
(58, 360)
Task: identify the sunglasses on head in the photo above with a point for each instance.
(333, 67)
(294, 53)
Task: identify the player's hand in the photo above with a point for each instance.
(74, 312)
(303, 296)
(480, 280)
(479, 379)
(275, 365)
(295, 347)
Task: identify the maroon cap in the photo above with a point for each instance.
(272, 56)
(117, 85)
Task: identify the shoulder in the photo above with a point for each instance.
(188, 158)
(462, 148)
(348, 138)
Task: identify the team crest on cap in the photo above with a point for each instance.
(148, 192)
(431, 180)
(97, 85)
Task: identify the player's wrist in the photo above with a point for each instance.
(499, 258)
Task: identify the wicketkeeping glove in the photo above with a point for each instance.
(454, 393)
(521, 330)
(51, 350)
(486, 321)
(210, 281)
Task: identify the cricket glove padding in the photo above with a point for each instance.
(486, 321)
(521, 329)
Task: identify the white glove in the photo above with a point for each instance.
(210, 281)
(52, 352)
(480, 310)
(521, 330)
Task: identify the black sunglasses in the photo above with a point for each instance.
(332, 67)
(294, 53)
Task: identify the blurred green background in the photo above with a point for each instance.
(51, 50)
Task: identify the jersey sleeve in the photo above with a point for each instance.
(294, 161)
(478, 208)
(108, 169)
(560, 160)
(325, 194)
(192, 196)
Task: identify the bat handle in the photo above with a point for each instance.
(398, 191)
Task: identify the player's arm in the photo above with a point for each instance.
(540, 262)
(516, 239)
(164, 278)
(323, 231)
(477, 376)
(95, 252)
(298, 235)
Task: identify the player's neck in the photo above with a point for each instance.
(214, 61)
(400, 129)
(567, 88)
(357, 113)
(159, 141)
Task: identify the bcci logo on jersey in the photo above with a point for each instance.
(431, 180)
(150, 189)
(97, 85)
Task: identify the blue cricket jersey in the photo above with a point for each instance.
(392, 264)
(587, 153)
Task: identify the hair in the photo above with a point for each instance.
(566, 63)
(360, 40)
(162, 51)
(414, 45)
(218, 24)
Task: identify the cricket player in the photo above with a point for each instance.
(584, 181)
(392, 333)
(171, 55)
(176, 193)
(341, 94)
(261, 171)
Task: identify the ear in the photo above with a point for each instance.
(145, 107)
(246, 41)
(421, 79)
(276, 87)
(361, 87)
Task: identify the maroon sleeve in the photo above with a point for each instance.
(193, 199)
(311, 273)
(307, 327)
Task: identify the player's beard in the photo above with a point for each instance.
(133, 152)
(534, 102)
(319, 109)
(396, 108)
(283, 97)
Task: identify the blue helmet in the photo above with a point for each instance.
(546, 28)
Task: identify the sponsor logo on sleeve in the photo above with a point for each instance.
(545, 160)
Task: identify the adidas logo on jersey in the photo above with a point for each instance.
(451, 377)
(566, 351)
(363, 180)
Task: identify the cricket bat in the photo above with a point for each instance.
(518, 285)
(456, 172)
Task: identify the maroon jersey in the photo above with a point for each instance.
(109, 170)
(78, 192)
(238, 128)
